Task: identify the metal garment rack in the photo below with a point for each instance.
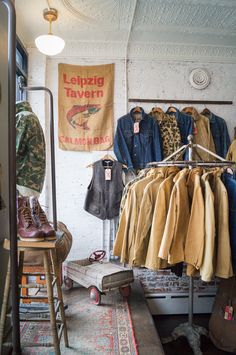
(52, 144)
(12, 175)
(189, 330)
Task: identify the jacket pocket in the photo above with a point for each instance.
(128, 135)
(145, 137)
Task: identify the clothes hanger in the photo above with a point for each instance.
(107, 157)
(157, 109)
(188, 110)
(137, 109)
(171, 109)
(206, 111)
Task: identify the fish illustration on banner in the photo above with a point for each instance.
(85, 107)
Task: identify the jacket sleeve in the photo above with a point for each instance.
(169, 231)
(121, 149)
(157, 141)
(226, 140)
(143, 230)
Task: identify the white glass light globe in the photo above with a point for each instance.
(50, 44)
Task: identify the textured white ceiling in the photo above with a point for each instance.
(160, 27)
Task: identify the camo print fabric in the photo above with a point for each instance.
(30, 148)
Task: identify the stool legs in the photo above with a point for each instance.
(5, 305)
(59, 294)
(48, 275)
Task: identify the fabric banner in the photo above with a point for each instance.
(85, 107)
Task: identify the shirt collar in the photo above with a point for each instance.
(23, 106)
(142, 113)
(192, 112)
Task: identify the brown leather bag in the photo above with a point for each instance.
(63, 249)
(223, 332)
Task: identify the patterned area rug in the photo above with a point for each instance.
(106, 329)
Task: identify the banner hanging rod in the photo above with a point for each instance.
(165, 101)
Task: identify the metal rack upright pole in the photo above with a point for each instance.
(52, 144)
(191, 281)
(12, 176)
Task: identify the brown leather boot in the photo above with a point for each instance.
(26, 229)
(40, 219)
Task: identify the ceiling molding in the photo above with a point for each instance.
(150, 51)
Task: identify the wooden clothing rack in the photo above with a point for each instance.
(169, 101)
(191, 331)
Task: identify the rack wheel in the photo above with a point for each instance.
(125, 291)
(68, 283)
(95, 295)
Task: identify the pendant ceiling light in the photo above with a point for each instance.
(50, 44)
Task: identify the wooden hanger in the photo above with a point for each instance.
(157, 109)
(107, 157)
(137, 109)
(171, 109)
(188, 110)
(206, 111)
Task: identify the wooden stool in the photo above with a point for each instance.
(52, 274)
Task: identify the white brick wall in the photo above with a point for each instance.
(147, 79)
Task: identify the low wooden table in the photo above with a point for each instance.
(52, 275)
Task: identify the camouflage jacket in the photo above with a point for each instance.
(30, 148)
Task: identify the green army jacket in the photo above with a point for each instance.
(30, 148)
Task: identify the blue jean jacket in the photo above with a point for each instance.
(219, 133)
(230, 184)
(137, 149)
(185, 124)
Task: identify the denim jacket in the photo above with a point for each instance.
(219, 133)
(185, 124)
(137, 149)
(230, 184)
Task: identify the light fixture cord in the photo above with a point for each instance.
(49, 7)
(50, 27)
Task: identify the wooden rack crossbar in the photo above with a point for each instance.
(166, 101)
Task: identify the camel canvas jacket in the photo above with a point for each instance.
(124, 243)
(208, 261)
(231, 155)
(152, 261)
(194, 244)
(219, 133)
(175, 232)
(223, 250)
(202, 134)
(128, 186)
(146, 216)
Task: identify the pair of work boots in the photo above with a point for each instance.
(32, 223)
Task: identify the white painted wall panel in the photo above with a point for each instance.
(147, 79)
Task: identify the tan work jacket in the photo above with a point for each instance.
(194, 244)
(175, 232)
(158, 223)
(208, 260)
(231, 155)
(146, 216)
(202, 134)
(223, 249)
(124, 243)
